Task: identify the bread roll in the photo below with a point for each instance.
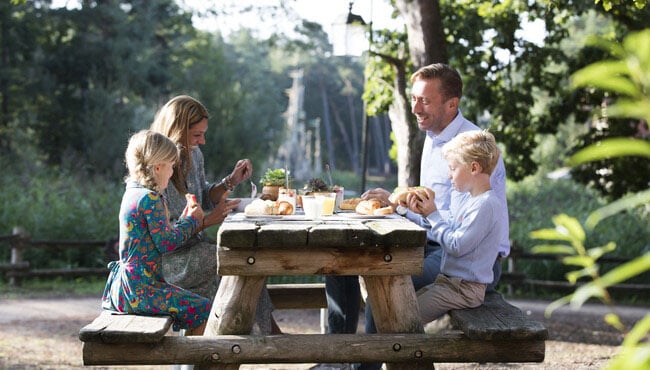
(368, 207)
(401, 193)
(383, 211)
(284, 208)
(349, 204)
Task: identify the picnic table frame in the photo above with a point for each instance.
(384, 251)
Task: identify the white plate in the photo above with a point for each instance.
(263, 217)
(360, 216)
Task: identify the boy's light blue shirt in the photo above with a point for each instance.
(470, 242)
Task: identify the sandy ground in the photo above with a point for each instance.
(42, 334)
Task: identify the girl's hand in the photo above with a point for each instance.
(242, 171)
(195, 212)
(191, 203)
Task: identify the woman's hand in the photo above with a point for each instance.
(221, 210)
(242, 171)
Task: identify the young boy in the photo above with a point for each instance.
(470, 239)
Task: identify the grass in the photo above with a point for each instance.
(53, 288)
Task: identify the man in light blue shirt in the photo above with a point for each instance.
(435, 97)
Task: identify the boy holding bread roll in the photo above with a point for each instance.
(470, 239)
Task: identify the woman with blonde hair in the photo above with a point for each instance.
(184, 120)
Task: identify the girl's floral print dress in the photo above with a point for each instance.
(136, 283)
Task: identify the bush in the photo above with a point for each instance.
(57, 204)
(533, 202)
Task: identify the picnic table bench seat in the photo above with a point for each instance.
(488, 333)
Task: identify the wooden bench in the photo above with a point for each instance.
(494, 332)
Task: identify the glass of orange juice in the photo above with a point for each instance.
(329, 200)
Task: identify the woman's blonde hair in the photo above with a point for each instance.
(174, 120)
(146, 149)
(473, 146)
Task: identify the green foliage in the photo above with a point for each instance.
(276, 177)
(631, 80)
(58, 204)
(533, 200)
(625, 75)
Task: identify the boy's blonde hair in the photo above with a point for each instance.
(146, 149)
(473, 146)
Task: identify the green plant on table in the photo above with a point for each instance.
(275, 177)
(316, 185)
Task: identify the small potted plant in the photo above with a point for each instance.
(315, 186)
(272, 181)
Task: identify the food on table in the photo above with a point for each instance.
(261, 207)
(191, 200)
(402, 192)
(372, 207)
(284, 208)
(349, 204)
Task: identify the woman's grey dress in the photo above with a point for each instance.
(194, 266)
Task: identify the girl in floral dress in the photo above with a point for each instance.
(136, 283)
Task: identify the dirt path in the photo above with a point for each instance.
(42, 334)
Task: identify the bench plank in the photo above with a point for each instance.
(497, 319)
(305, 348)
(113, 327)
(297, 296)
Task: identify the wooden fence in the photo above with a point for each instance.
(18, 269)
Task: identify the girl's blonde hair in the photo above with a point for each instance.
(174, 120)
(146, 149)
(473, 146)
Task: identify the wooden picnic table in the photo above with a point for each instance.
(385, 251)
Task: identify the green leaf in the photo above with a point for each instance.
(571, 225)
(626, 271)
(608, 76)
(598, 252)
(630, 108)
(585, 292)
(611, 148)
(615, 207)
(553, 249)
(557, 304)
(639, 331)
(582, 261)
(549, 234)
(614, 321)
(573, 276)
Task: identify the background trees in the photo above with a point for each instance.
(75, 83)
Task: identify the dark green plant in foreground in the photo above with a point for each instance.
(627, 75)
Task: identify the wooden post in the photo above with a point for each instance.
(395, 310)
(233, 311)
(17, 245)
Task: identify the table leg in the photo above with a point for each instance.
(395, 310)
(233, 310)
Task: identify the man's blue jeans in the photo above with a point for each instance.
(343, 304)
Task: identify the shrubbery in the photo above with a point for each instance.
(533, 202)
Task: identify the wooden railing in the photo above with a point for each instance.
(18, 269)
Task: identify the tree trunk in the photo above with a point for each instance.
(426, 45)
